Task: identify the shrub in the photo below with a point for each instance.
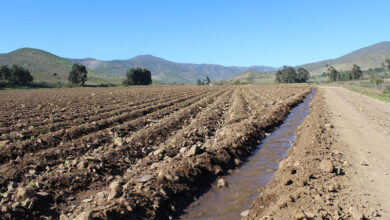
(386, 88)
(377, 83)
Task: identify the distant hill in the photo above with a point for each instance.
(37, 61)
(254, 76)
(367, 57)
(167, 71)
(43, 65)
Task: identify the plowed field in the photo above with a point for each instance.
(132, 153)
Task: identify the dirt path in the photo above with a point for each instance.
(338, 166)
(363, 125)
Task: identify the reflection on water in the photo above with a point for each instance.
(244, 182)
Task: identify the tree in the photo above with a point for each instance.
(356, 72)
(302, 75)
(20, 76)
(207, 80)
(344, 76)
(5, 73)
(387, 66)
(199, 82)
(78, 74)
(16, 75)
(286, 75)
(333, 74)
(138, 76)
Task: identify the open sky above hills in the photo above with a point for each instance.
(240, 33)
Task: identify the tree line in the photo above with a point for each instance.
(15, 75)
(386, 65)
(134, 76)
(292, 75)
(354, 74)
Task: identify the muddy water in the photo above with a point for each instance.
(245, 182)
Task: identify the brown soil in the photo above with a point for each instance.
(139, 152)
(337, 168)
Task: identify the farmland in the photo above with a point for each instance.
(137, 152)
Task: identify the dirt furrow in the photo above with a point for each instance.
(37, 130)
(12, 151)
(198, 132)
(85, 144)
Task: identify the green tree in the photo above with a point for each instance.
(138, 76)
(199, 82)
(16, 75)
(387, 66)
(333, 74)
(302, 75)
(286, 75)
(21, 76)
(78, 74)
(6, 73)
(344, 76)
(207, 80)
(356, 72)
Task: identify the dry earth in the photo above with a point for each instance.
(363, 124)
(338, 167)
(127, 153)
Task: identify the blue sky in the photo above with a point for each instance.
(242, 33)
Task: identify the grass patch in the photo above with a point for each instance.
(380, 95)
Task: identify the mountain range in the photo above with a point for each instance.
(43, 65)
(368, 57)
(167, 71)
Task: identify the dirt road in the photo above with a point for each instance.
(363, 125)
(338, 167)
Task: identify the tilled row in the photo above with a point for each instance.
(13, 150)
(150, 165)
(162, 183)
(200, 130)
(24, 108)
(102, 140)
(46, 111)
(52, 123)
